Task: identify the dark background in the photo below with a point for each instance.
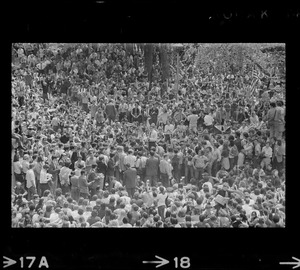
(154, 21)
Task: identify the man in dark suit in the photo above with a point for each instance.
(152, 165)
(74, 156)
(111, 111)
(130, 179)
(84, 185)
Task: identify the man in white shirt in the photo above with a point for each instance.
(125, 198)
(193, 118)
(152, 136)
(169, 129)
(259, 172)
(75, 214)
(247, 207)
(54, 217)
(208, 120)
(30, 182)
(267, 152)
(161, 198)
(44, 180)
(88, 212)
(243, 129)
(130, 159)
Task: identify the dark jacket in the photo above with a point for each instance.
(110, 110)
(101, 167)
(130, 176)
(54, 171)
(110, 167)
(83, 184)
(74, 157)
(152, 165)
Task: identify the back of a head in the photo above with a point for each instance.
(201, 218)
(125, 220)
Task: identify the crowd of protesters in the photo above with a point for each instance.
(92, 146)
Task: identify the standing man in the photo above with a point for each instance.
(130, 158)
(153, 113)
(30, 182)
(45, 89)
(165, 171)
(152, 136)
(220, 115)
(168, 131)
(110, 111)
(64, 177)
(279, 120)
(136, 114)
(200, 162)
(130, 179)
(119, 162)
(267, 153)
(54, 171)
(193, 120)
(74, 186)
(37, 171)
(44, 180)
(270, 119)
(179, 116)
(110, 170)
(84, 185)
(208, 121)
(152, 166)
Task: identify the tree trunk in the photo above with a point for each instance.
(148, 56)
(164, 61)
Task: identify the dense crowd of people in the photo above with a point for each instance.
(93, 146)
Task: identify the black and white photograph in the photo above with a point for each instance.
(148, 135)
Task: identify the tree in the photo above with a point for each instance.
(237, 58)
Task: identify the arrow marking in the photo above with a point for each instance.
(8, 262)
(162, 261)
(297, 264)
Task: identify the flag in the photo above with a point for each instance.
(257, 74)
(221, 129)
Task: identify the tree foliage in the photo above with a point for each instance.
(238, 58)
